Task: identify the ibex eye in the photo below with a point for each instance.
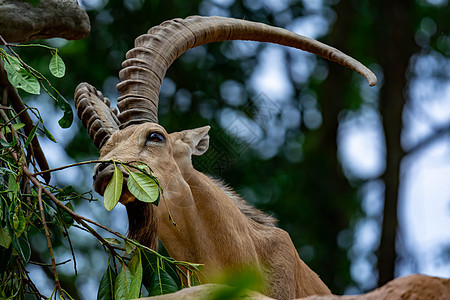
(155, 137)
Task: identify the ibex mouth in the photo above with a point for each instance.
(101, 180)
(142, 219)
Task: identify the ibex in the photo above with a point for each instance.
(215, 226)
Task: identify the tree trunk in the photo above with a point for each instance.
(325, 183)
(395, 39)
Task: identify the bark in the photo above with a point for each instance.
(395, 39)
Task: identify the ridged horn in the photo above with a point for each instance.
(146, 64)
(95, 113)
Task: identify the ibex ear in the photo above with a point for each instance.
(96, 115)
(200, 138)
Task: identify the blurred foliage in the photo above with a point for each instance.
(303, 183)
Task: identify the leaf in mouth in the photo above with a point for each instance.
(113, 189)
(143, 187)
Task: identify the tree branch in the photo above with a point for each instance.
(438, 133)
(20, 109)
(79, 219)
(49, 243)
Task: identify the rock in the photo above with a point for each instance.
(208, 291)
(21, 21)
(405, 288)
(411, 287)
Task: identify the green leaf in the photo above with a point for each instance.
(17, 218)
(25, 247)
(122, 285)
(21, 223)
(21, 78)
(129, 247)
(49, 135)
(149, 265)
(172, 273)
(107, 283)
(57, 66)
(65, 192)
(31, 135)
(16, 127)
(143, 187)
(5, 239)
(65, 216)
(12, 213)
(194, 279)
(113, 189)
(4, 171)
(113, 241)
(5, 144)
(67, 118)
(15, 221)
(13, 186)
(136, 279)
(51, 214)
(24, 252)
(141, 167)
(162, 283)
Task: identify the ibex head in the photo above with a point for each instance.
(134, 135)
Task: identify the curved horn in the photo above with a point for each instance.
(146, 64)
(95, 113)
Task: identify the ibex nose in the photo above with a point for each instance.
(100, 168)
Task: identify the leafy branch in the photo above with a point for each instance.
(28, 205)
(25, 77)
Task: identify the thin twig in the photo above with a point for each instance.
(68, 166)
(129, 164)
(10, 120)
(32, 286)
(49, 243)
(5, 43)
(47, 265)
(428, 140)
(33, 71)
(32, 45)
(79, 219)
(71, 249)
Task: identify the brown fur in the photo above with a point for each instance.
(248, 210)
(143, 223)
(215, 226)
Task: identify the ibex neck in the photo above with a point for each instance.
(212, 231)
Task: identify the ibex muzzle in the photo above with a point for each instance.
(104, 169)
(215, 226)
